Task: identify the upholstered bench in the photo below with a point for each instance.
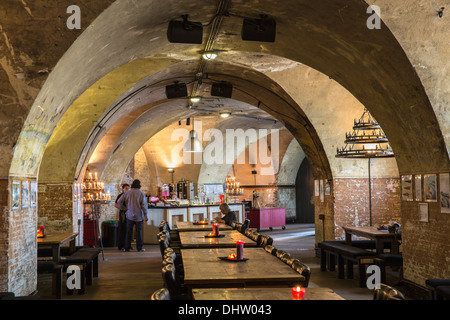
(46, 267)
(432, 284)
(391, 260)
(443, 293)
(87, 259)
(345, 253)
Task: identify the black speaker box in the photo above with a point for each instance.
(177, 90)
(185, 32)
(222, 89)
(262, 30)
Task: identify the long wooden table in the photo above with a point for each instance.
(190, 226)
(380, 236)
(262, 294)
(56, 240)
(203, 268)
(196, 239)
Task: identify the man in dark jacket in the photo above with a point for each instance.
(122, 230)
(136, 206)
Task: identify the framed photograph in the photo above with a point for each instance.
(25, 194)
(418, 187)
(33, 194)
(15, 195)
(407, 188)
(327, 188)
(423, 212)
(444, 188)
(316, 188)
(429, 187)
(322, 197)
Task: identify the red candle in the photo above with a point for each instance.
(215, 229)
(298, 293)
(240, 249)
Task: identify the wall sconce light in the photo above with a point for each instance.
(195, 99)
(210, 55)
(225, 114)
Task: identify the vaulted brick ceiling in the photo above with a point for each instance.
(126, 46)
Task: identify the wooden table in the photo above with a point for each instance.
(380, 236)
(190, 226)
(203, 268)
(56, 240)
(262, 294)
(196, 239)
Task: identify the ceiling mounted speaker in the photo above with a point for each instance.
(222, 89)
(185, 31)
(177, 90)
(262, 30)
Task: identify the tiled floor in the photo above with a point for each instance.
(136, 275)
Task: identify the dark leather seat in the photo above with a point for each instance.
(304, 270)
(271, 249)
(433, 283)
(389, 259)
(387, 293)
(443, 293)
(161, 294)
(44, 267)
(173, 283)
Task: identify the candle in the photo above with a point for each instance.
(215, 229)
(90, 175)
(240, 249)
(298, 293)
(96, 176)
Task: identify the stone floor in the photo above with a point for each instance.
(136, 275)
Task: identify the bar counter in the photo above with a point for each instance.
(184, 213)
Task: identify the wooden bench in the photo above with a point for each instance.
(46, 267)
(87, 259)
(348, 255)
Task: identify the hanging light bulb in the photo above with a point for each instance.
(193, 144)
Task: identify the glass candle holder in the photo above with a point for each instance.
(298, 293)
(240, 249)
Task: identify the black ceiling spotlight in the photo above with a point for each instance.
(176, 90)
(262, 30)
(185, 31)
(222, 89)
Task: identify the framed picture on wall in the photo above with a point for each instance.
(15, 195)
(430, 187)
(444, 191)
(322, 197)
(327, 188)
(407, 188)
(418, 187)
(316, 188)
(33, 194)
(423, 212)
(25, 194)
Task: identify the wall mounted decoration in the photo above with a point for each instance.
(444, 191)
(430, 187)
(407, 188)
(25, 194)
(15, 195)
(418, 187)
(423, 212)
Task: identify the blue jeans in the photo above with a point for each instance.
(139, 242)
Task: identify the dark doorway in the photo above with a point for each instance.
(304, 194)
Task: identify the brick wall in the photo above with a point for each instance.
(18, 269)
(426, 245)
(351, 203)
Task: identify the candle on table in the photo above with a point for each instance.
(298, 293)
(215, 229)
(240, 249)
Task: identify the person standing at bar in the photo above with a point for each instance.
(136, 206)
(122, 230)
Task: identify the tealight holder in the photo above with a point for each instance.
(298, 293)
